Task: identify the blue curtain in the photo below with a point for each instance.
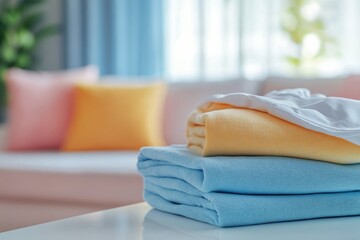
(122, 37)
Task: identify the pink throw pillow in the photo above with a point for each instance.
(40, 105)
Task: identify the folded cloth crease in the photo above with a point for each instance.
(221, 129)
(227, 210)
(248, 174)
(244, 190)
(331, 115)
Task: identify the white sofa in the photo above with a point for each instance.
(37, 187)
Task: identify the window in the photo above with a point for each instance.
(215, 39)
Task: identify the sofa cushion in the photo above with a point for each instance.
(116, 117)
(40, 105)
(101, 178)
(183, 97)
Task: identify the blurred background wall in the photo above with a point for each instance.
(209, 39)
(53, 10)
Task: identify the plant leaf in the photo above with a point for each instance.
(3, 95)
(25, 38)
(23, 60)
(32, 21)
(10, 17)
(26, 5)
(8, 53)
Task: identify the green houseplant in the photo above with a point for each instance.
(21, 30)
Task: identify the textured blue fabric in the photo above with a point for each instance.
(236, 191)
(122, 37)
(227, 210)
(248, 174)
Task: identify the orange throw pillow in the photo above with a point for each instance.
(116, 117)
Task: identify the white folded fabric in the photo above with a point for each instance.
(339, 117)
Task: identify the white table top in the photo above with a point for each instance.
(140, 222)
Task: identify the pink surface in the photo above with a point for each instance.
(40, 105)
(327, 86)
(351, 88)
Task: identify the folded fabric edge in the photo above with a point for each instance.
(215, 212)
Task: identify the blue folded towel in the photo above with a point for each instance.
(226, 210)
(236, 191)
(248, 174)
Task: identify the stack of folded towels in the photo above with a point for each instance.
(288, 155)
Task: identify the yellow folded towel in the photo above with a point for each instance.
(220, 129)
